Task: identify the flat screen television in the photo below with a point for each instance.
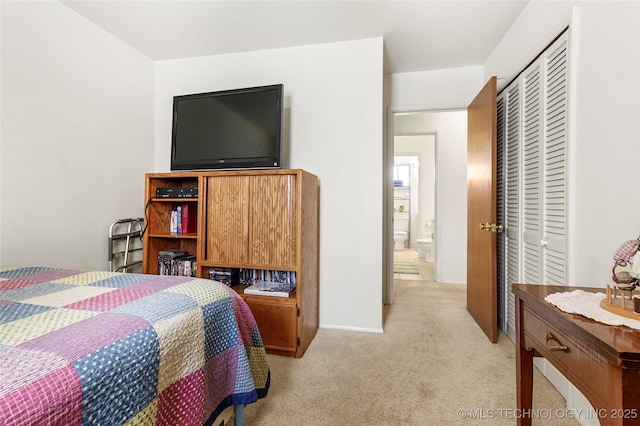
(230, 129)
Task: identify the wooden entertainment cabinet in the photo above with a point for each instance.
(249, 219)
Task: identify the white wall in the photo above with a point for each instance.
(76, 136)
(606, 138)
(446, 89)
(333, 127)
(604, 148)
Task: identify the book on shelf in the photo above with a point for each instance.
(173, 223)
(189, 218)
(270, 288)
(184, 219)
(179, 219)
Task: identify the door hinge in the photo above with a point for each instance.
(298, 311)
(297, 341)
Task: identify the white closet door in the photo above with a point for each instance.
(532, 185)
(508, 203)
(555, 159)
(513, 204)
(503, 297)
(535, 155)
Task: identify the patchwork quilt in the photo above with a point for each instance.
(109, 348)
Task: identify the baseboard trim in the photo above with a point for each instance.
(349, 328)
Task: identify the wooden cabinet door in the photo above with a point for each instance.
(227, 219)
(277, 324)
(273, 221)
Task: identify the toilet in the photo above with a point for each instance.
(424, 248)
(400, 230)
(399, 238)
(425, 244)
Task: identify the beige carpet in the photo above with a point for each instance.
(431, 361)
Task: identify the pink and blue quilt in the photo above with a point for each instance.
(112, 348)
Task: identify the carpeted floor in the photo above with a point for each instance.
(431, 366)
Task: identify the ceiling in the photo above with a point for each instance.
(418, 35)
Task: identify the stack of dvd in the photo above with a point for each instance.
(268, 282)
(227, 276)
(177, 263)
(252, 276)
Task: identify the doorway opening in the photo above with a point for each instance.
(408, 133)
(414, 207)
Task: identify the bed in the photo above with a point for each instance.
(114, 348)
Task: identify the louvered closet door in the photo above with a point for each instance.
(535, 173)
(512, 199)
(532, 174)
(500, 212)
(555, 158)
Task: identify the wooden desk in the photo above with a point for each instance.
(602, 361)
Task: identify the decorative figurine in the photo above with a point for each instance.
(624, 280)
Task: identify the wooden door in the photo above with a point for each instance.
(272, 235)
(481, 210)
(227, 219)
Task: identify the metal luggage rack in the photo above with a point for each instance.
(125, 244)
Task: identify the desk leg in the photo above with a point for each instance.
(524, 382)
(524, 375)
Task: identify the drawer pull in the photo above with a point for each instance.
(550, 337)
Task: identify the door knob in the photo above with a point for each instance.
(491, 227)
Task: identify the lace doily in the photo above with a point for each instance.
(587, 304)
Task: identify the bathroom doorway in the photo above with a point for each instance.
(448, 128)
(414, 206)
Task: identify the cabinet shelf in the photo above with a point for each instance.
(189, 236)
(239, 288)
(181, 200)
(214, 264)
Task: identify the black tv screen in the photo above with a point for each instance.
(240, 128)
